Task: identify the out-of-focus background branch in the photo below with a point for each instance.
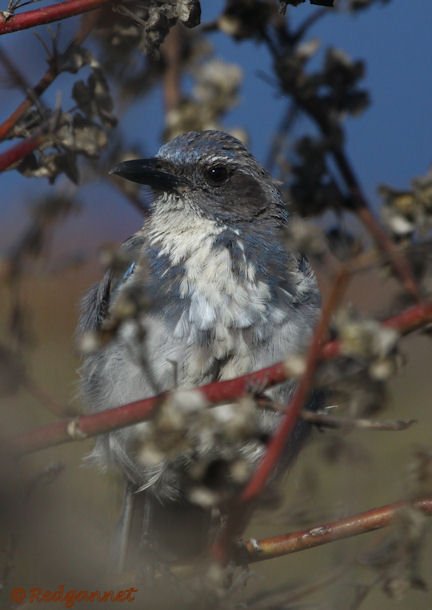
(333, 96)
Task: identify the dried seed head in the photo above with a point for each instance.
(188, 401)
(202, 496)
(240, 471)
(364, 338)
(295, 366)
(382, 369)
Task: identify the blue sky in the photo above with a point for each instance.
(391, 142)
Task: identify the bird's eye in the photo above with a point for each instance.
(216, 174)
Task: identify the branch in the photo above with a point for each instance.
(405, 322)
(322, 418)
(361, 207)
(312, 107)
(17, 77)
(19, 151)
(303, 389)
(382, 240)
(172, 51)
(361, 523)
(72, 429)
(79, 428)
(308, 23)
(46, 80)
(48, 14)
(241, 509)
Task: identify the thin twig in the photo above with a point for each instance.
(242, 507)
(309, 22)
(44, 398)
(280, 136)
(303, 389)
(48, 14)
(382, 240)
(171, 51)
(86, 26)
(72, 429)
(360, 523)
(322, 418)
(361, 208)
(14, 72)
(358, 202)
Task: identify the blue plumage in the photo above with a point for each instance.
(215, 294)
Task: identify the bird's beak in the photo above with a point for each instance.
(156, 173)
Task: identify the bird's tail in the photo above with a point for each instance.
(152, 533)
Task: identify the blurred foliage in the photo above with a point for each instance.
(408, 212)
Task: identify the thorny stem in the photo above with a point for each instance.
(71, 429)
(258, 550)
(48, 14)
(47, 79)
(238, 516)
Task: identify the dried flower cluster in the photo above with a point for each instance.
(67, 135)
(214, 442)
(408, 212)
(148, 23)
(246, 18)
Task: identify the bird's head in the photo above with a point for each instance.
(214, 175)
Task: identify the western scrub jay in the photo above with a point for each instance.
(209, 291)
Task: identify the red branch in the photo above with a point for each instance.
(376, 518)
(87, 24)
(55, 12)
(19, 151)
(241, 509)
(405, 322)
(78, 428)
(279, 440)
(67, 430)
(400, 263)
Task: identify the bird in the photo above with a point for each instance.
(211, 291)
